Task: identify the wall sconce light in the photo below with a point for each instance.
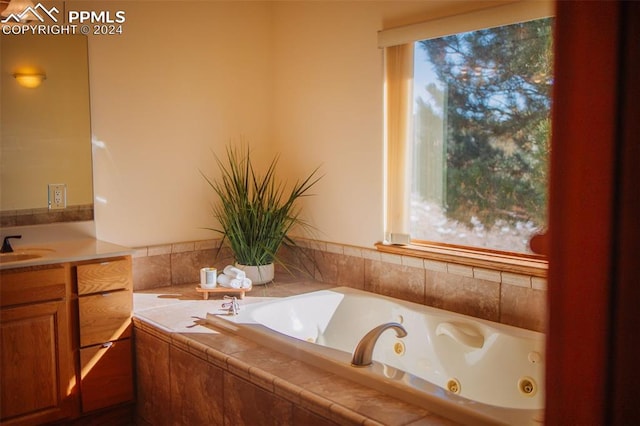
(30, 81)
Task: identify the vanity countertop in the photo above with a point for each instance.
(63, 251)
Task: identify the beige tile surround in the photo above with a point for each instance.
(190, 373)
(244, 384)
(41, 216)
(509, 298)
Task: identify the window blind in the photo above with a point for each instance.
(510, 13)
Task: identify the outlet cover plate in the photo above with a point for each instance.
(57, 196)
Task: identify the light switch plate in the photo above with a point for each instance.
(57, 196)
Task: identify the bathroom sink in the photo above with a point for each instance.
(16, 257)
(23, 254)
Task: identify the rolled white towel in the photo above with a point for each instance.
(229, 282)
(246, 283)
(235, 283)
(234, 272)
(223, 280)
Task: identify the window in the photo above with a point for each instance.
(481, 128)
(468, 136)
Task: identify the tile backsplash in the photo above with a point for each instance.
(42, 216)
(509, 298)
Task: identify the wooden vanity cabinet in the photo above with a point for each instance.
(65, 341)
(105, 305)
(37, 379)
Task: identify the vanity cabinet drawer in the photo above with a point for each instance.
(105, 317)
(104, 276)
(107, 375)
(27, 285)
(105, 306)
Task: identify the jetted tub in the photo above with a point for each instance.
(464, 368)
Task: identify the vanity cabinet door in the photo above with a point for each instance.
(36, 364)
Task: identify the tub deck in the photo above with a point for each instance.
(175, 315)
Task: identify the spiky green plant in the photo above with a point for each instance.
(256, 212)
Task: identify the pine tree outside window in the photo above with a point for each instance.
(481, 132)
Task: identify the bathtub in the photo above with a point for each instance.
(464, 368)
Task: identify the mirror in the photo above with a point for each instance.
(45, 131)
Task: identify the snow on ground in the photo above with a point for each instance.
(428, 221)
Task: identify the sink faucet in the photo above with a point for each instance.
(6, 246)
(364, 349)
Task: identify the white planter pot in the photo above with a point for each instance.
(258, 274)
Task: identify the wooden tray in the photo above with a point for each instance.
(205, 291)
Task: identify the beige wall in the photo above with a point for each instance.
(328, 112)
(183, 79)
(303, 79)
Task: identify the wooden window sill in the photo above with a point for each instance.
(532, 265)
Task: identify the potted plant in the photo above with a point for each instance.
(255, 212)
